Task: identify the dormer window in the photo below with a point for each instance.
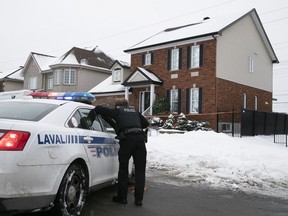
(117, 75)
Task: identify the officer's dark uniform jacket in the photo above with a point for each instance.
(128, 119)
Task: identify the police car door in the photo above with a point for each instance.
(101, 147)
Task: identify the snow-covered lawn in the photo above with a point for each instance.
(250, 164)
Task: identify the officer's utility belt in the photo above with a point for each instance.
(132, 131)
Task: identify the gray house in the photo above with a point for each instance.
(78, 70)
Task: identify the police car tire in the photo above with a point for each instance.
(72, 192)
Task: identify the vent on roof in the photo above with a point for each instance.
(179, 27)
(206, 18)
(84, 61)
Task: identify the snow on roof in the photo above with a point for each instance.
(43, 60)
(107, 86)
(191, 29)
(16, 75)
(150, 75)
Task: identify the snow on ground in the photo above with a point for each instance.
(249, 164)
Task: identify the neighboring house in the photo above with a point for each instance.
(11, 81)
(220, 64)
(111, 88)
(78, 70)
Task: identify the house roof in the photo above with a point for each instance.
(94, 57)
(200, 29)
(107, 87)
(15, 75)
(142, 77)
(121, 63)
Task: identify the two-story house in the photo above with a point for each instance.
(216, 64)
(78, 70)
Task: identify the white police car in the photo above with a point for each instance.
(52, 154)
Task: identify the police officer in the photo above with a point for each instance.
(129, 128)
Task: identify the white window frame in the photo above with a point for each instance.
(117, 75)
(148, 59)
(250, 64)
(69, 77)
(50, 82)
(244, 101)
(256, 102)
(32, 84)
(194, 100)
(57, 77)
(175, 59)
(174, 99)
(195, 56)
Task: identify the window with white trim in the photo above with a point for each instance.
(50, 82)
(175, 59)
(148, 59)
(250, 64)
(57, 77)
(69, 77)
(174, 100)
(256, 102)
(195, 56)
(194, 100)
(117, 75)
(32, 84)
(244, 101)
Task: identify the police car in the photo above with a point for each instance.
(52, 153)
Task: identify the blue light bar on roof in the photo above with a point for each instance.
(74, 96)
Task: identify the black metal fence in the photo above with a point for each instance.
(264, 123)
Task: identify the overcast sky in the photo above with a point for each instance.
(54, 26)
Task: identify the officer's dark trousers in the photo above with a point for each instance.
(132, 145)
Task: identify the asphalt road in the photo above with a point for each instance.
(166, 196)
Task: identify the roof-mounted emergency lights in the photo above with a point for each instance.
(72, 96)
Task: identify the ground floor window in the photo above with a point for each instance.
(174, 100)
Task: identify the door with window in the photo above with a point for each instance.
(144, 100)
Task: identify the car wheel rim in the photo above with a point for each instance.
(74, 195)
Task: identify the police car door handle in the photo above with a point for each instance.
(88, 139)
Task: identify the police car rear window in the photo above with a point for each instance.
(25, 111)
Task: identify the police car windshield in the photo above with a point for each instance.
(25, 111)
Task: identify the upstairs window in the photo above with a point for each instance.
(175, 59)
(117, 75)
(250, 64)
(32, 84)
(69, 77)
(195, 56)
(148, 59)
(57, 77)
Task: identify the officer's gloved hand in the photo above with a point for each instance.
(92, 115)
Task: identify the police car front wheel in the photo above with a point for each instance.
(72, 192)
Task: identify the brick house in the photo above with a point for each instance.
(215, 65)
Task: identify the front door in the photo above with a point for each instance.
(144, 101)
